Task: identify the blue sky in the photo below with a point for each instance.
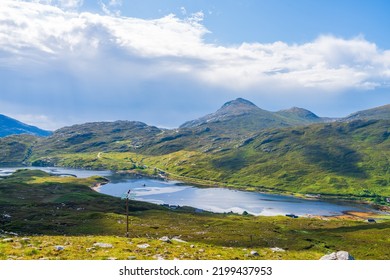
(165, 62)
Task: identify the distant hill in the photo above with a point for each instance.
(239, 144)
(235, 120)
(241, 116)
(378, 113)
(9, 126)
(235, 125)
(300, 115)
(338, 158)
(16, 149)
(118, 136)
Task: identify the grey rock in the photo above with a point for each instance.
(132, 258)
(8, 240)
(178, 240)
(277, 249)
(158, 257)
(254, 253)
(59, 247)
(165, 239)
(340, 255)
(143, 246)
(102, 245)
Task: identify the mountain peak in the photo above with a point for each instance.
(236, 107)
(239, 102)
(301, 113)
(231, 110)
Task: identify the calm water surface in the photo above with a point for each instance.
(222, 200)
(218, 200)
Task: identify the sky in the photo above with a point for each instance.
(65, 62)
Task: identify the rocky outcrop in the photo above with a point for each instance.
(337, 256)
(102, 245)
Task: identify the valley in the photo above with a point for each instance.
(239, 147)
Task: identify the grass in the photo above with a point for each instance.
(338, 160)
(52, 211)
(245, 169)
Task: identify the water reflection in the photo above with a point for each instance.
(210, 199)
(224, 200)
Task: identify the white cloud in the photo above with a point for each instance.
(70, 4)
(111, 7)
(41, 121)
(63, 4)
(56, 35)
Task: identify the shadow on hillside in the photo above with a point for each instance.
(230, 163)
(335, 158)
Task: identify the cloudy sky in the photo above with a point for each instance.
(165, 62)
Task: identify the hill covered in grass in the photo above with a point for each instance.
(50, 217)
(240, 145)
(378, 113)
(348, 160)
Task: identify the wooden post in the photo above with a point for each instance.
(127, 213)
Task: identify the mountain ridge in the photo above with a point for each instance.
(245, 114)
(10, 126)
(380, 112)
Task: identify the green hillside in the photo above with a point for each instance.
(378, 113)
(16, 149)
(50, 217)
(231, 147)
(349, 160)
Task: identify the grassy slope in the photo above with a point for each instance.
(16, 149)
(65, 211)
(343, 159)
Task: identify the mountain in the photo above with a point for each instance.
(337, 159)
(378, 113)
(239, 145)
(16, 149)
(9, 126)
(300, 115)
(118, 136)
(228, 111)
(241, 117)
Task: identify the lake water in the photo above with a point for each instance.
(218, 200)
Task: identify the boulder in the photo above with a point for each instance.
(337, 256)
(59, 248)
(178, 240)
(254, 253)
(8, 240)
(165, 239)
(143, 246)
(277, 249)
(158, 257)
(102, 245)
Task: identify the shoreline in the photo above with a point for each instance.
(350, 215)
(264, 190)
(202, 184)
